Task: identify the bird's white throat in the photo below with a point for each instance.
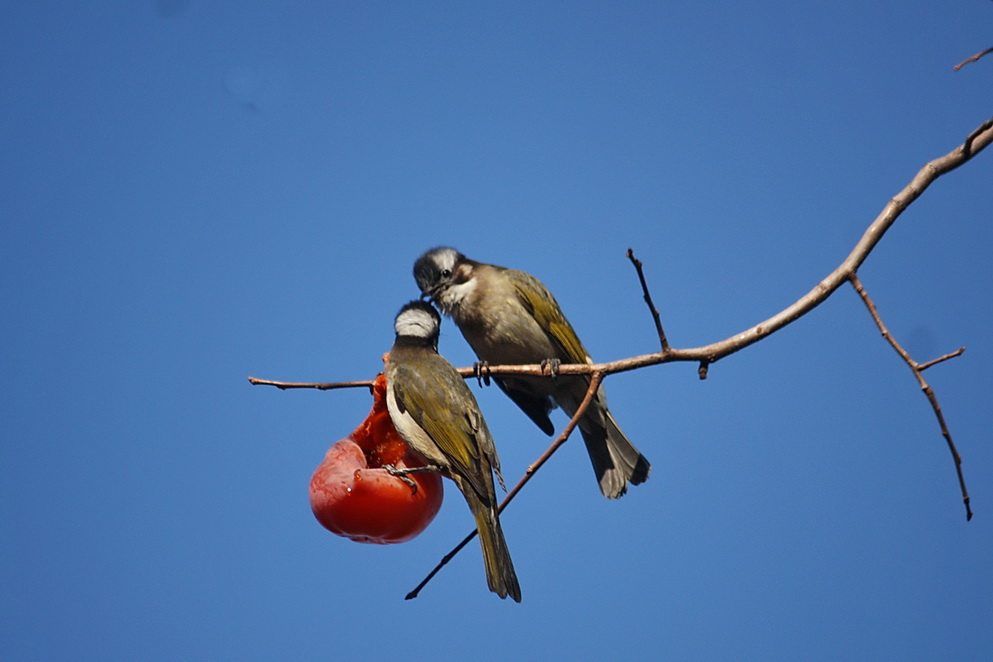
(455, 295)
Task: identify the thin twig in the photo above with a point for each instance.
(322, 386)
(595, 381)
(972, 59)
(663, 342)
(917, 369)
(951, 355)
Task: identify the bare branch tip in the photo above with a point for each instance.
(635, 261)
(972, 58)
(951, 355)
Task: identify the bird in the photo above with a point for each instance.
(509, 317)
(436, 414)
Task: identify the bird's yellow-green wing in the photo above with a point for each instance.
(542, 305)
(439, 401)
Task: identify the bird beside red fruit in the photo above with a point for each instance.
(353, 495)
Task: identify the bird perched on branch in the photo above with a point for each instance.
(437, 415)
(509, 317)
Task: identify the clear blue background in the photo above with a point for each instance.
(195, 192)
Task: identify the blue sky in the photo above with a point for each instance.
(192, 193)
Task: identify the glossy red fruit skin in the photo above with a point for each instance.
(352, 496)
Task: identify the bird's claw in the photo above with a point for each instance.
(552, 366)
(482, 372)
(403, 473)
(393, 470)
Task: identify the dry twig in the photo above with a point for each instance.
(321, 386)
(918, 369)
(972, 59)
(663, 342)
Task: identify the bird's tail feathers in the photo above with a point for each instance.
(616, 461)
(500, 574)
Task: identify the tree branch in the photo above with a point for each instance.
(663, 342)
(976, 142)
(972, 59)
(917, 369)
(322, 386)
(951, 355)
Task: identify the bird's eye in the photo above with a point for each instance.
(446, 273)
